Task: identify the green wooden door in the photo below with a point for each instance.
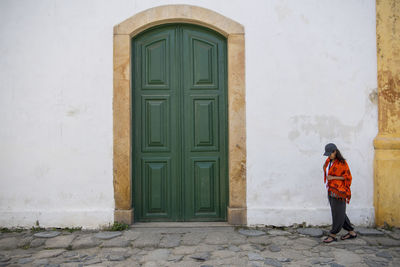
(179, 124)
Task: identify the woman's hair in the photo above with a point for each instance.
(339, 156)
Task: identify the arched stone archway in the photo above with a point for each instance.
(122, 105)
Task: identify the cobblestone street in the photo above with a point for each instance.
(215, 245)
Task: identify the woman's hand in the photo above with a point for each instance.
(331, 177)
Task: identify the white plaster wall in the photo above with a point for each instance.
(309, 85)
(310, 72)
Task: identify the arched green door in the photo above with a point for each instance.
(179, 124)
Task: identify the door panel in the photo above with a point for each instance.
(204, 64)
(156, 126)
(179, 120)
(155, 186)
(204, 90)
(204, 126)
(155, 120)
(156, 67)
(206, 177)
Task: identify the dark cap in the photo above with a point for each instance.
(329, 149)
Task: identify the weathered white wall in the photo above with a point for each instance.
(311, 75)
(310, 78)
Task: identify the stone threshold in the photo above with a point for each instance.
(179, 224)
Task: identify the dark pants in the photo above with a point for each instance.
(339, 217)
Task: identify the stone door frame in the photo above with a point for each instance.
(122, 102)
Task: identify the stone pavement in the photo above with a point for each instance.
(199, 246)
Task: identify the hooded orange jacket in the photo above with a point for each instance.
(339, 188)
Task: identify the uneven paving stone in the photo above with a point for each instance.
(276, 232)
(295, 249)
(116, 242)
(369, 250)
(92, 261)
(40, 262)
(184, 250)
(274, 248)
(25, 242)
(237, 239)
(382, 241)
(4, 258)
(192, 239)
(175, 258)
(73, 259)
(131, 235)
(284, 259)
(292, 253)
(314, 232)
(47, 234)
(25, 260)
(114, 254)
(350, 242)
(258, 247)
(234, 248)
(85, 242)
(246, 247)
(151, 264)
(59, 242)
(107, 235)
(272, 262)
(334, 264)
(281, 241)
(219, 262)
(49, 253)
(37, 242)
(346, 258)
(206, 248)
(384, 254)
(201, 256)
(324, 254)
(394, 235)
(68, 254)
(321, 249)
(222, 254)
(322, 261)
(375, 262)
(255, 256)
(8, 243)
(261, 240)
(304, 243)
(170, 241)
(250, 232)
(368, 231)
(216, 238)
(309, 253)
(147, 240)
(115, 257)
(157, 255)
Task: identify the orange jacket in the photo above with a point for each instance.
(340, 188)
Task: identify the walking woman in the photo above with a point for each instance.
(337, 173)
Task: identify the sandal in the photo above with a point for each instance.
(348, 236)
(329, 239)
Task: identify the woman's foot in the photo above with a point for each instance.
(330, 238)
(349, 235)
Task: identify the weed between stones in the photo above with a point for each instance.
(117, 226)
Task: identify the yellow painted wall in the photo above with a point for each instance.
(387, 143)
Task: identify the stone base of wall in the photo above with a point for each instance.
(87, 219)
(360, 216)
(123, 216)
(237, 216)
